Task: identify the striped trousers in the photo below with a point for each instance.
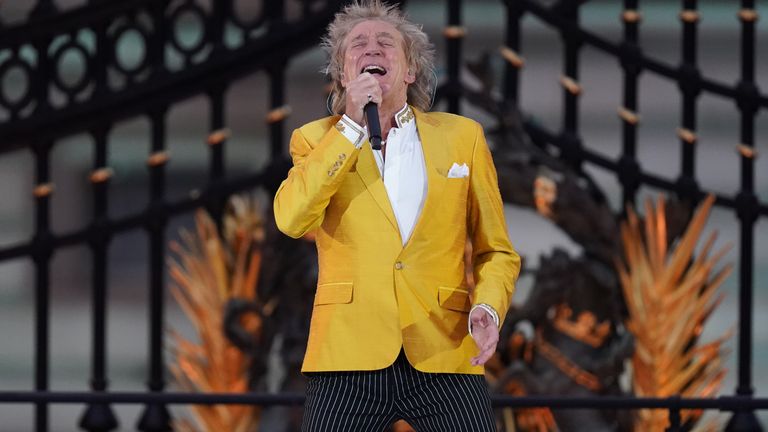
(370, 401)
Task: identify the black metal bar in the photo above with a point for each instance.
(674, 415)
(453, 36)
(41, 255)
(747, 137)
(99, 247)
(277, 101)
(746, 201)
(156, 226)
(512, 71)
(216, 143)
(43, 8)
(219, 12)
(629, 168)
(99, 417)
(102, 58)
(572, 146)
(156, 417)
(158, 37)
(41, 242)
(275, 12)
(722, 403)
(687, 185)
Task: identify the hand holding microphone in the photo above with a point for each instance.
(363, 97)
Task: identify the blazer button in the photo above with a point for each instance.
(399, 265)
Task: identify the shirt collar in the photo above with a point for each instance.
(404, 116)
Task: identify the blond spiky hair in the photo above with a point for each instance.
(419, 52)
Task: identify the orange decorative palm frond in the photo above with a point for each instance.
(207, 272)
(670, 293)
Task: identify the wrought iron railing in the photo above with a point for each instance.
(111, 89)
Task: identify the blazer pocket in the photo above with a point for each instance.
(333, 293)
(455, 299)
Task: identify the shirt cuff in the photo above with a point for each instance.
(352, 131)
(491, 311)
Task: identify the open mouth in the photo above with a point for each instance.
(374, 69)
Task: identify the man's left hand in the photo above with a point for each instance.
(485, 332)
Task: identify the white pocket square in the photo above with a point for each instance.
(458, 171)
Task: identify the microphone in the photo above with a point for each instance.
(374, 128)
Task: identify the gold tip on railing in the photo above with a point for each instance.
(629, 116)
(748, 15)
(101, 175)
(631, 16)
(746, 151)
(454, 32)
(218, 136)
(512, 57)
(158, 158)
(571, 85)
(43, 190)
(278, 114)
(689, 15)
(687, 135)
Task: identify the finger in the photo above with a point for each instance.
(483, 356)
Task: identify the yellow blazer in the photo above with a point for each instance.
(375, 295)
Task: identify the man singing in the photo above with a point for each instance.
(396, 332)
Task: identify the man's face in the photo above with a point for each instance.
(377, 47)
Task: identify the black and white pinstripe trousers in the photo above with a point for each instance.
(370, 401)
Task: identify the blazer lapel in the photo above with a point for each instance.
(369, 173)
(434, 145)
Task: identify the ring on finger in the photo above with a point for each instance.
(370, 98)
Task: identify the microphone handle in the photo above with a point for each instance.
(374, 128)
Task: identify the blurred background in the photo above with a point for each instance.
(247, 104)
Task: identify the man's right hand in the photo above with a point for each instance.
(357, 92)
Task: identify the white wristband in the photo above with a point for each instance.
(491, 311)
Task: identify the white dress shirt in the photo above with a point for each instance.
(404, 172)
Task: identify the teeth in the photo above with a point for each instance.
(375, 69)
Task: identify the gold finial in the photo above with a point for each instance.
(629, 116)
(158, 158)
(571, 85)
(218, 136)
(101, 175)
(278, 114)
(43, 190)
(746, 151)
(687, 135)
(631, 16)
(512, 57)
(748, 15)
(689, 16)
(454, 32)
